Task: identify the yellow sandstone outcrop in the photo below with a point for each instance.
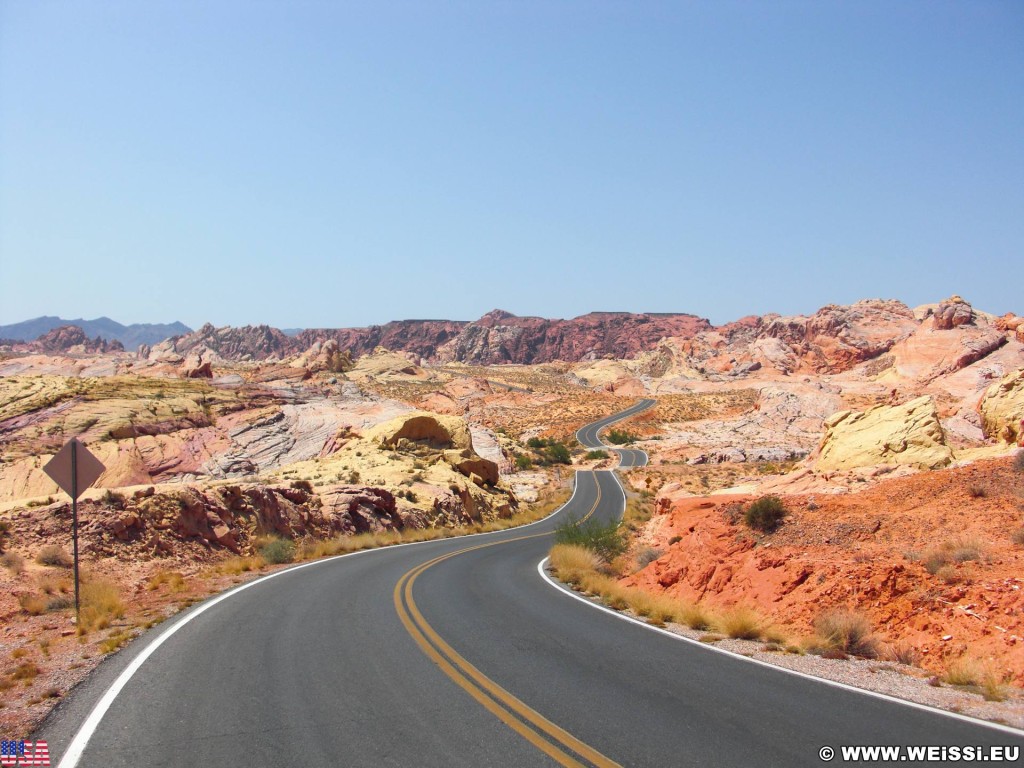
(447, 433)
(1002, 409)
(907, 434)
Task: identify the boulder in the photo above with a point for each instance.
(431, 429)
(908, 434)
(1002, 409)
(952, 313)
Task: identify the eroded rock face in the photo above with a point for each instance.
(1002, 410)
(907, 434)
(834, 339)
(497, 337)
(70, 338)
(952, 313)
(259, 342)
(500, 337)
(232, 516)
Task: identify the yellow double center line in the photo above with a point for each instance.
(557, 743)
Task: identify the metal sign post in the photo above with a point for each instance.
(74, 469)
(74, 520)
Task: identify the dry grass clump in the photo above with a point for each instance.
(657, 609)
(959, 550)
(33, 605)
(571, 562)
(27, 671)
(696, 616)
(53, 584)
(740, 623)
(845, 631)
(174, 580)
(101, 604)
(974, 673)
(115, 641)
(902, 652)
(54, 556)
(15, 563)
(583, 568)
(234, 566)
(647, 556)
(1017, 537)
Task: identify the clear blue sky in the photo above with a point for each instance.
(344, 163)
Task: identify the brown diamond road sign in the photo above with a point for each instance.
(60, 468)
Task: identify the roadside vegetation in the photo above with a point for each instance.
(765, 514)
(543, 452)
(621, 437)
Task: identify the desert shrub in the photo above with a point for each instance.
(846, 631)
(101, 604)
(977, 491)
(647, 556)
(1018, 461)
(536, 443)
(60, 602)
(113, 499)
(741, 623)
(558, 453)
(603, 538)
(523, 461)
(54, 556)
(949, 574)
(1018, 536)
(13, 562)
(696, 616)
(674, 540)
(621, 437)
(765, 514)
(5, 532)
(277, 551)
(596, 455)
(302, 485)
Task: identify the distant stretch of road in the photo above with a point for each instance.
(628, 457)
(457, 652)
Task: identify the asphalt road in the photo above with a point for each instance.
(457, 653)
(588, 436)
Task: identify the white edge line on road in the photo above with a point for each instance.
(708, 647)
(81, 738)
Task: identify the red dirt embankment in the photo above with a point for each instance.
(930, 559)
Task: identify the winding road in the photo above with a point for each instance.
(457, 652)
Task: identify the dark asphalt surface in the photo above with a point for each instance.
(315, 668)
(588, 436)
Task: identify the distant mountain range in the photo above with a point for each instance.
(129, 335)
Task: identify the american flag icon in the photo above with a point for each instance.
(18, 753)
